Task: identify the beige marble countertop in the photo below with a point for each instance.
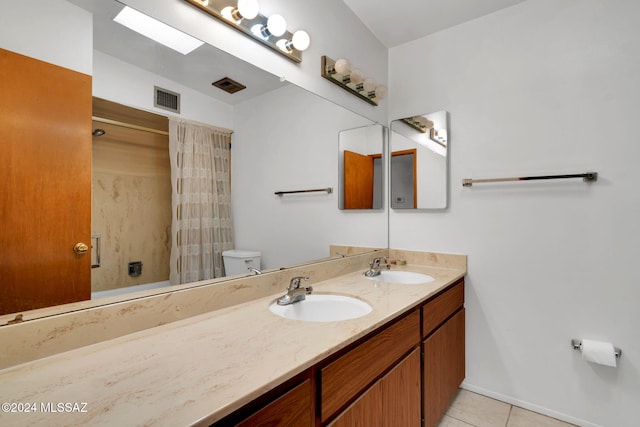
(198, 370)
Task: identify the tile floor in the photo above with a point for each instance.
(470, 409)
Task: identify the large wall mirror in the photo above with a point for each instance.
(419, 161)
(361, 167)
(282, 140)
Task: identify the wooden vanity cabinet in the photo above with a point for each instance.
(443, 350)
(404, 374)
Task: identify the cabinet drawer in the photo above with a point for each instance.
(292, 409)
(438, 310)
(350, 374)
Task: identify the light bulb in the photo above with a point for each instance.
(248, 8)
(276, 25)
(228, 12)
(356, 76)
(285, 45)
(300, 40)
(342, 66)
(380, 92)
(369, 84)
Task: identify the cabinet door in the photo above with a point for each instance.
(443, 371)
(364, 412)
(401, 393)
(392, 401)
(348, 376)
(293, 409)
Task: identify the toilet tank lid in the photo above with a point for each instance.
(239, 253)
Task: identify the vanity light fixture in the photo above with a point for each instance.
(340, 73)
(419, 123)
(439, 136)
(246, 17)
(157, 31)
(424, 125)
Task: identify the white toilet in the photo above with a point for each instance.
(237, 261)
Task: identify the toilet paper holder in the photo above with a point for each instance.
(577, 345)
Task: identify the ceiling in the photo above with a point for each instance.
(197, 70)
(395, 23)
(407, 20)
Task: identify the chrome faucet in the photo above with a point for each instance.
(254, 270)
(295, 293)
(374, 267)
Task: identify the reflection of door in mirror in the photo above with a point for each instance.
(403, 179)
(358, 180)
(45, 134)
(428, 174)
(361, 172)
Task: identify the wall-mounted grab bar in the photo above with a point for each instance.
(327, 190)
(586, 177)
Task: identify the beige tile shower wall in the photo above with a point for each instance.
(79, 326)
(131, 207)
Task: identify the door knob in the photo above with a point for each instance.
(80, 248)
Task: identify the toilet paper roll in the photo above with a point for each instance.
(599, 352)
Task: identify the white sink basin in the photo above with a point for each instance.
(323, 308)
(402, 277)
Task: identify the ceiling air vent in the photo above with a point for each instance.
(166, 99)
(228, 85)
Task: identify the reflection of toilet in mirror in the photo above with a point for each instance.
(237, 261)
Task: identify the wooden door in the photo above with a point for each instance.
(358, 181)
(45, 174)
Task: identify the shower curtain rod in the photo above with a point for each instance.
(129, 125)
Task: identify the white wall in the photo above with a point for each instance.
(542, 87)
(334, 30)
(38, 28)
(287, 139)
(121, 82)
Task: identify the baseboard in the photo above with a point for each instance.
(529, 406)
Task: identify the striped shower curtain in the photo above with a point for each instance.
(202, 226)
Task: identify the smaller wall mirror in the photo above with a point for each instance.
(419, 171)
(361, 170)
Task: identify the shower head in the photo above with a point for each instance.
(98, 132)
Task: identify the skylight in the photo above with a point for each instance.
(157, 31)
